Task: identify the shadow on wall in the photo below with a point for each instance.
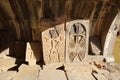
(34, 51)
(7, 36)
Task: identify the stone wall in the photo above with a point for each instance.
(24, 20)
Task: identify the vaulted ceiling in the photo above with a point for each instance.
(25, 19)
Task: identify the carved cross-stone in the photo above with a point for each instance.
(70, 45)
(76, 40)
(53, 44)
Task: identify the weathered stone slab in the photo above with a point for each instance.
(27, 73)
(77, 35)
(79, 71)
(100, 77)
(32, 52)
(7, 75)
(24, 67)
(77, 75)
(52, 66)
(52, 75)
(80, 67)
(7, 63)
(54, 44)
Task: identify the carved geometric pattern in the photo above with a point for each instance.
(76, 41)
(54, 44)
(70, 45)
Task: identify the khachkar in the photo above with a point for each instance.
(32, 52)
(53, 40)
(77, 40)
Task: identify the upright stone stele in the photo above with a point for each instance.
(53, 40)
(32, 53)
(77, 33)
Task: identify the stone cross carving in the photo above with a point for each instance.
(76, 40)
(54, 44)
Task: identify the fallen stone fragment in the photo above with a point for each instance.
(7, 75)
(77, 75)
(29, 67)
(7, 63)
(27, 73)
(52, 75)
(82, 67)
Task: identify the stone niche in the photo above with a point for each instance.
(66, 42)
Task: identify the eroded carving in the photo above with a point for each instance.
(53, 44)
(76, 42)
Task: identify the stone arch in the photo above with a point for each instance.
(110, 39)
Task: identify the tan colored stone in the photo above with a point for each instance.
(7, 75)
(52, 66)
(24, 67)
(32, 53)
(79, 71)
(53, 40)
(7, 63)
(80, 67)
(27, 73)
(77, 36)
(77, 75)
(52, 75)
